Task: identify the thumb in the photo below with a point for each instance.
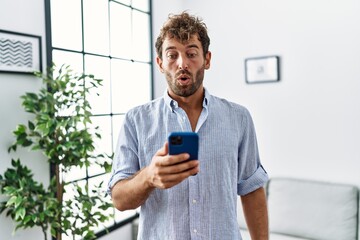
(164, 150)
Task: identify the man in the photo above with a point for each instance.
(189, 199)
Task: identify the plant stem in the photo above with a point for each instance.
(59, 194)
(44, 232)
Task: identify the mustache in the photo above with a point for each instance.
(181, 72)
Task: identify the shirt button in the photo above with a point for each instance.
(195, 231)
(194, 201)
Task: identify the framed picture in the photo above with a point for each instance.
(262, 69)
(19, 52)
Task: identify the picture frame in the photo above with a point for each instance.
(262, 69)
(20, 52)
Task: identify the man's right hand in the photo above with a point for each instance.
(166, 171)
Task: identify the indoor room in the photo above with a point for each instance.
(294, 65)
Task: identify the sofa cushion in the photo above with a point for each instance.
(311, 209)
(276, 236)
(273, 236)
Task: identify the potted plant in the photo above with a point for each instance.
(61, 129)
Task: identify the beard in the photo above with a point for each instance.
(185, 90)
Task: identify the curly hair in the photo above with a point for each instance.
(182, 27)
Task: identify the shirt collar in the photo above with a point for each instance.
(172, 104)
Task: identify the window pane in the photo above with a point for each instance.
(127, 2)
(69, 194)
(66, 24)
(93, 184)
(100, 68)
(141, 36)
(96, 27)
(141, 4)
(75, 60)
(119, 216)
(130, 85)
(120, 31)
(117, 123)
(103, 145)
(75, 173)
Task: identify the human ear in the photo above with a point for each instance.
(207, 60)
(159, 64)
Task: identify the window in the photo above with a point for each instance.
(111, 40)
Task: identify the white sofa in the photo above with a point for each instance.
(311, 210)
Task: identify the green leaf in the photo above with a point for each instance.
(36, 147)
(48, 213)
(53, 232)
(18, 201)
(31, 125)
(13, 147)
(42, 216)
(20, 129)
(20, 214)
(32, 96)
(9, 190)
(27, 219)
(2, 206)
(27, 143)
(11, 201)
(42, 128)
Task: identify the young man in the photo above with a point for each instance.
(189, 199)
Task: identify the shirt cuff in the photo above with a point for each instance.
(255, 181)
(114, 179)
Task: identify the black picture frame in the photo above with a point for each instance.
(20, 52)
(264, 69)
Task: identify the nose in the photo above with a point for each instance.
(182, 62)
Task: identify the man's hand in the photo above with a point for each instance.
(166, 171)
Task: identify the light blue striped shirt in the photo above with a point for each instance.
(202, 206)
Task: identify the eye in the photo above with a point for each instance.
(191, 54)
(171, 56)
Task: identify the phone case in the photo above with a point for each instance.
(184, 142)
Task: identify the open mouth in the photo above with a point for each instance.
(183, 79)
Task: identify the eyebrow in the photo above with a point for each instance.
(192, 46)
(170, 48)
(187, 47)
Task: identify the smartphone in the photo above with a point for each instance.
(184, 142)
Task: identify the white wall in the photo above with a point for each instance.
(308, 125)
(25, 17)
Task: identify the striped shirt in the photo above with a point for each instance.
(202, 206)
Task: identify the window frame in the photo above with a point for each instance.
(49, 59)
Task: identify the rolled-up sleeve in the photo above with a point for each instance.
(125, 163)
(251, 174)
(255, 181)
